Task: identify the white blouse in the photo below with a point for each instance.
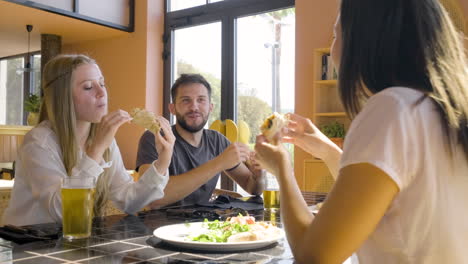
(36, 194)
(400, 132)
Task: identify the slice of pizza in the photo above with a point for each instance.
(272, 125)
(145, 119)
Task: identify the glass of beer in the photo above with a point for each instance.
(77, 206)
(271, 194)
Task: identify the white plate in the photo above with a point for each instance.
(177, 235)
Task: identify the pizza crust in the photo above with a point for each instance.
(146, 119)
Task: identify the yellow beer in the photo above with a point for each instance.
(77, 210)
(271, 198)
(271, 215)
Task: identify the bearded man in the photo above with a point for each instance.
(200, 155)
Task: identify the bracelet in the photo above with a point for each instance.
(234, 167)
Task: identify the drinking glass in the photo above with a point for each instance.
(77, 206)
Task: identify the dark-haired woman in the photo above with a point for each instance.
(402, 181)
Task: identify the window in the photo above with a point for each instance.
(15, 85)
(175, 5)
(265, 66)
(206, 40)
(245, 48)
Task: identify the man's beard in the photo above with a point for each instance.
(192, 129)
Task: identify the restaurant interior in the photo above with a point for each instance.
(135, 43)
(126, 38)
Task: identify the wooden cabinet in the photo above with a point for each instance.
(317, 176)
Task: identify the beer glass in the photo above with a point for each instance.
(271, 194)
(77, 206)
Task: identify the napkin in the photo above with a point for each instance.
(226, 202)
(22, 235)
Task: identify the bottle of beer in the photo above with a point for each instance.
(271, 194)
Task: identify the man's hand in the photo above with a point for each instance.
(255, 167)
(249, 175)
(257, 173)
(164, 145)
(233, 155)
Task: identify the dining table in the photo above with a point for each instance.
(129, 239)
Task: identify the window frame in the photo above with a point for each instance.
(74, 13)
(225, 12)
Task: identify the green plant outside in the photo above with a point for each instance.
(32, 104)
(333, 130)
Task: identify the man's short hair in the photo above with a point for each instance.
(189, 79)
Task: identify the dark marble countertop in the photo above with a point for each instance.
(129, 239)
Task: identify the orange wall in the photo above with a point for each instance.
(464, 7)
(314, 27)
(132, 67)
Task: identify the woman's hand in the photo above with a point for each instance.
(269, 156)
(164, 145)
(304, 134)
(105, 133)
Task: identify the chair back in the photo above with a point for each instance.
(11, 138)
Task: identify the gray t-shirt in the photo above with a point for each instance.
(185, 158)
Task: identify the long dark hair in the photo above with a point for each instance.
(410, 43)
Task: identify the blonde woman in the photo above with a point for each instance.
(75, 137)
(402, 180)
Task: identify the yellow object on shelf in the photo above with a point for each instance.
(231, 130)
(244, 132)
(219, 126)
(323, 50)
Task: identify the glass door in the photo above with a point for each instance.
(245, 49)
(197, 49)
(265, 68)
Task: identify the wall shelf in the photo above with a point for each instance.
(331, 114)
(323, 50)
(327, 82)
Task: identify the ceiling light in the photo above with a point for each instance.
(27, 68)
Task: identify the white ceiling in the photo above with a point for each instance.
(14, 37)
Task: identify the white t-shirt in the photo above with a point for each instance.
(36, 194)
(428, 220)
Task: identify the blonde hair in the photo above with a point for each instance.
(59, 109)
